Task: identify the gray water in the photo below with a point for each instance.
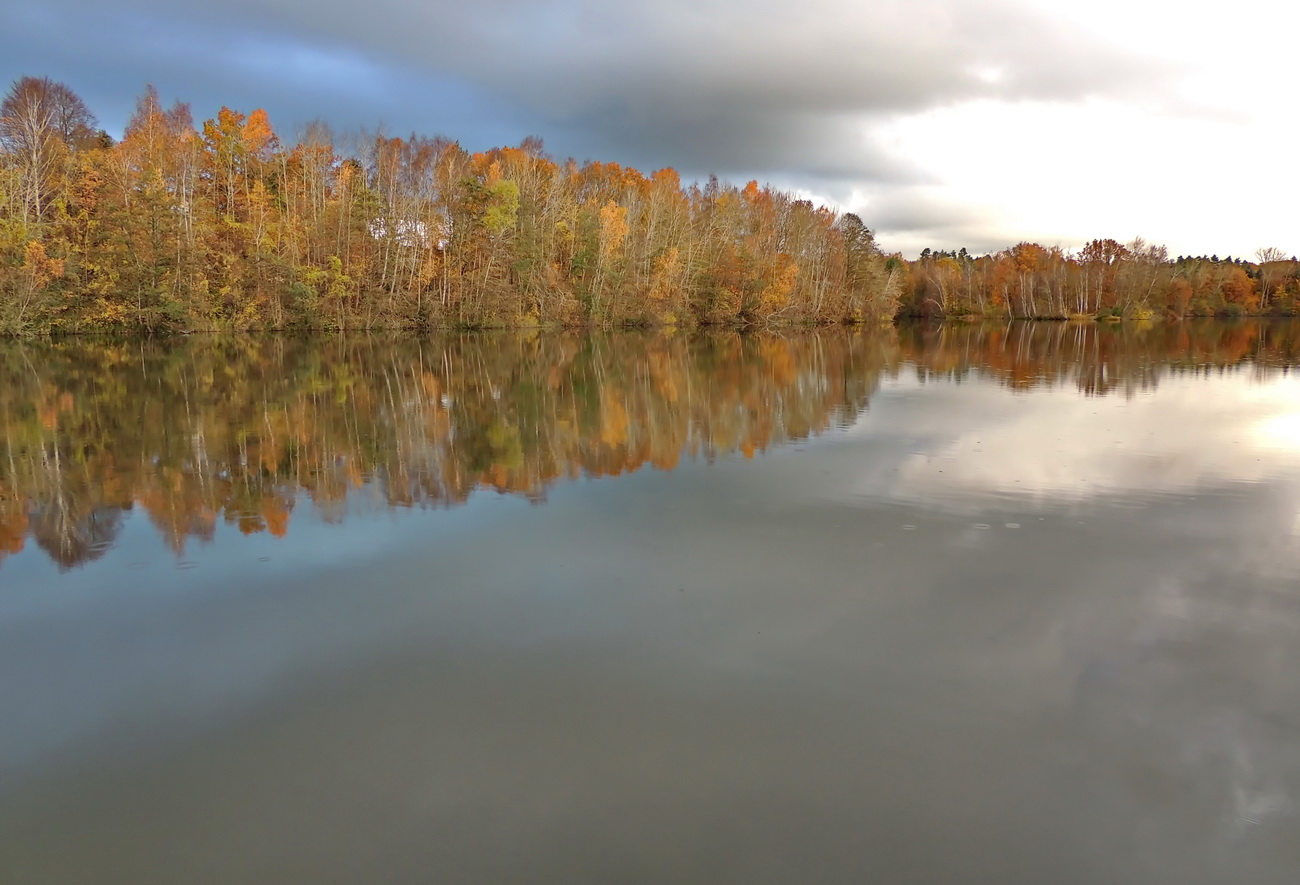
(1014, 605)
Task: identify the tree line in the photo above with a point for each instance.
(223, 226)
(1103, 279)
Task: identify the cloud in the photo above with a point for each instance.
(709, 86)
(809, 101)
(1075, 449)
(910, 217)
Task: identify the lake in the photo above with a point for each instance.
(950, 603)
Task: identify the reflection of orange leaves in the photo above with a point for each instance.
(665, 378)
(48, 415)
(268, 456)
(498, 476)
(276, 515)
(669, 458)
(179, 514)
(775, 352)
(13, 530)
(429, 384)
(246, 454)
(613, 422)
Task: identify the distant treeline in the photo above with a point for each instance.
(223, 226)
(1104, 279)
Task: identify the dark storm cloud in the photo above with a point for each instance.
(702, 85)
(821, 149)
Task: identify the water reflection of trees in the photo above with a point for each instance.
(1097, 358)
(193, 432)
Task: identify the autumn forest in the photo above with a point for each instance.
(224, 225)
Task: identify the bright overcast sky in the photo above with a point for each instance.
(943, 123)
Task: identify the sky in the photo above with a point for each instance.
(942, 123)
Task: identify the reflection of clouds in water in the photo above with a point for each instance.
(1219, 673)
(1255, 781)
(1282, 432)
(1175, 613)
(1255, 803)
(1192, 686)
(1187, 434)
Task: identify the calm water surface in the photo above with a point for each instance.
(1014, 604)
